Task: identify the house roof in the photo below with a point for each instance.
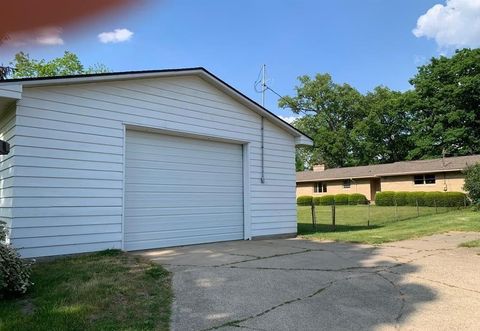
(447, 164)
(301, 138)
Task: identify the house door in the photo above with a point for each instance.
(375, 187)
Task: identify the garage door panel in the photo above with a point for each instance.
(157, 223)
(154, 159)
(234, 167)
(181, 178)
(172, 155)
(193, 174)
(184, 233)
(180, 202)
(159, 200)
(182, 229)
(178, 189)
(171, 199)
(168, 242)
(184, 210)
(182, 149)
(177, 143)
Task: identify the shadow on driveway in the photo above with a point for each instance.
(305, 285)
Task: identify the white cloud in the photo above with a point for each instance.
(115, 36)
(455, 24)
(49, 36)
(289, 119)
(45, 36)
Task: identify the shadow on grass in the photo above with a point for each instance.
(309, 229)
(108, 290)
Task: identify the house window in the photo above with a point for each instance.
(320, 187)
(347, 183)
(424, 179)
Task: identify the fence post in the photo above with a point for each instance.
(396, 209)
(333, 216)
(418, 210)
(314, 217)
(368, 218)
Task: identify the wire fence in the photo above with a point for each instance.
(328, 218)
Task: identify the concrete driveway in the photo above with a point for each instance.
(424, 284)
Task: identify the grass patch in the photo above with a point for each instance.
(109, 290)
(471, 244)
(353, 230)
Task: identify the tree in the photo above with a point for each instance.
(68, 64)
(331, 111)
(472, 183)
(447, 116)
(383, 135)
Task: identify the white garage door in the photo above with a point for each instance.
(181, 191)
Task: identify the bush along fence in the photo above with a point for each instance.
(355, 210)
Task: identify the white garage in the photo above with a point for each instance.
(140, 160)
(181, 191)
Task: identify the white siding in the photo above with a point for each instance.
(7, 133)
(12, 91)
(69, 147)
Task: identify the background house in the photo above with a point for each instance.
(140, 160)
(425, 175)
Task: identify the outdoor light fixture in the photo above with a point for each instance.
(4, 147)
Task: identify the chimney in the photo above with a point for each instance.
(319, 167)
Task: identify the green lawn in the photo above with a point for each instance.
(471, 244)
(352, 225)
(110, 290)
(361, 214)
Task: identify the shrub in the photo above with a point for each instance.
(14, 272)
(432, 199)
(414, 197)
(456, 199)
(472, 183)
(304, 200)
(357, 199)
(341, 199)
(400, 198)
(325, 200)
(385, 198)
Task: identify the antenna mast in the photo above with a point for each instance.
(264, 85)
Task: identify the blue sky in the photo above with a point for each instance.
(364, 43)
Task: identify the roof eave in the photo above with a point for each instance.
(300, 137)
(418, 172)
(334, 178)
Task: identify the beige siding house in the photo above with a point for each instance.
(426, 175)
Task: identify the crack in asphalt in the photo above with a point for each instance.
(360, 270)
(236, 323)
(435, 281)
(401, 296)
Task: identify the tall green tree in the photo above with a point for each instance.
(384, 134)
(447, 116)
(68, 64)
(331, 111)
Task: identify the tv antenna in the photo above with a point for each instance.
(261, 83)
(263, 88)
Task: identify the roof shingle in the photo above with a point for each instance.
(456, 163)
